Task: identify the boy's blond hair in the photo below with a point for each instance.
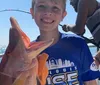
(64, 1)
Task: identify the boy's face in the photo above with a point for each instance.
(74, 3)
(48, 13)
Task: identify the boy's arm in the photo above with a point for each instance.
(90, 70)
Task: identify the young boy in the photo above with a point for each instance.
(69, 55)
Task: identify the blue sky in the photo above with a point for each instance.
(25, 20)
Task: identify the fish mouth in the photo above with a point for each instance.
(39, 46)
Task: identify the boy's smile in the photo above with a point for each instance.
(46, 20)
(48, 13)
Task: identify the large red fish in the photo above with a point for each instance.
(21, 63)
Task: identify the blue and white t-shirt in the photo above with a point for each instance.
(68, 59)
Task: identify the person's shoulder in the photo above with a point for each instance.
(71, 36)
(73, 39)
